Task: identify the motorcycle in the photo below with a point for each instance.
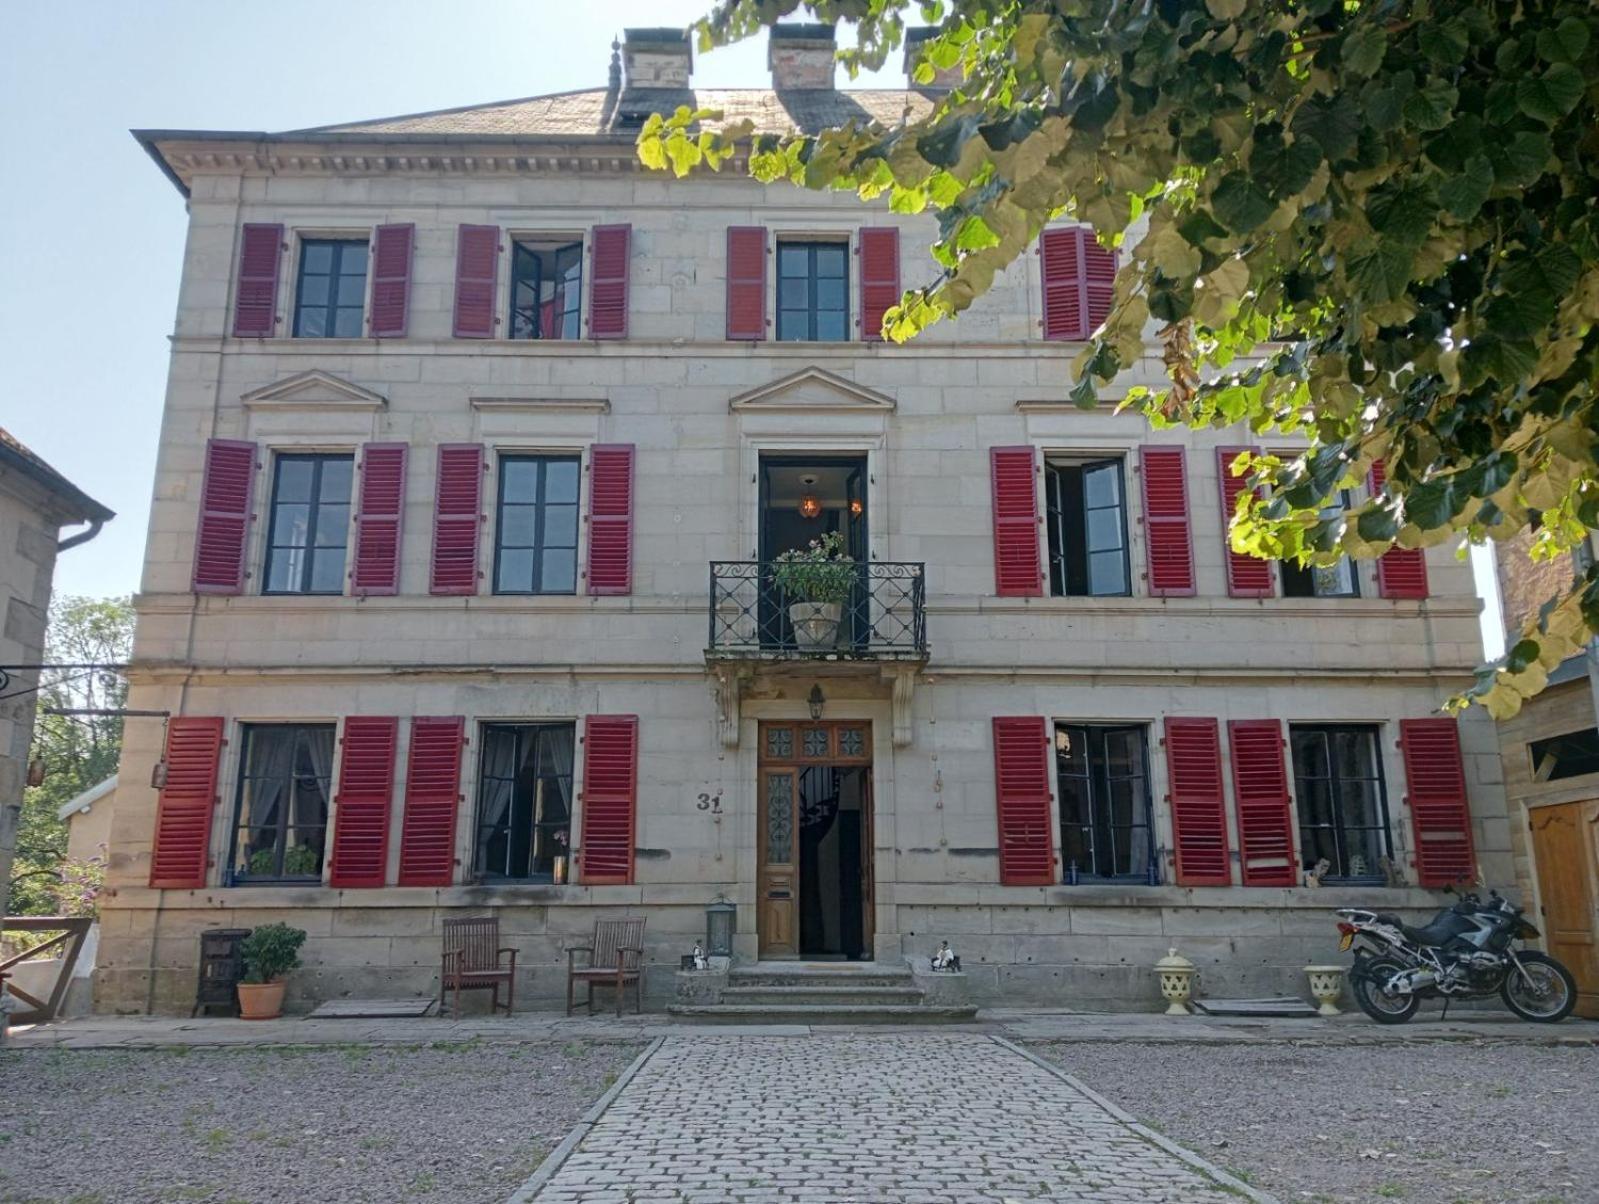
(1464, 952)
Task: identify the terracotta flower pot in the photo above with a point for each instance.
(260, 1000)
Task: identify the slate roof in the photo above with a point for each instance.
(15, 454)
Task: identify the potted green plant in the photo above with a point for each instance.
(815, 582)
(269, 953)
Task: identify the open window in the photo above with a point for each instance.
(1102, 774)
(546, 287)
(524, 811)
(1343, 802)
(1319, 581)
(1086, 502)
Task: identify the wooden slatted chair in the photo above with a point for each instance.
(616, 958)
(474, 959)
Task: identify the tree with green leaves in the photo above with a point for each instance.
(1370, 223)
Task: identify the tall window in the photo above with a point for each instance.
(1318, 581)
(1343, 806)
(546, 284)
(310, 526)
(1103, 775)
(813, 292)
(1087, 529)
(525, 801)
(535, 539)
(282, 813)
(330, 298)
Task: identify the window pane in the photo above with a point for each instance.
(830, 259)
(830, 327)
(1102, 485)
(560, 572)
(1353, 754)
(327, 571)
(792, 259)
(1315, 803)
(1336, 581)
(312, 323)
(517, 526)
(793, 326)
(291, 525)
(560, 526)
(317, 257)
(347, 324)
(1310, 753)
(352, 289)
(283, 571)
(332, 525)
(519, 480)
(294, 480)
(314, 290)
(560, 481)
(830, 294)
(1107, 573)
(1104, 530)
(516, 572)
(793, 293)
(336, 474)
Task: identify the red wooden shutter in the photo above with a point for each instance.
(255, 301)
(1401, 572)
(391, 279)
(611, 518)
(1022, 799)
(182, 845)
(1065, 286)
(746, 282)
(1440, 817)
(1099, 281)
(1168, 536)
(610, 798)
(477, 266)
(879, 278)
(608, 282)
(1198, 805)
(432, 800)
(223, 533)
(1247, 576)
(457, 511)
(1260, 789)
(379, 520)
(1018, 567)
(361, 806)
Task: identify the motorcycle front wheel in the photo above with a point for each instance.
(1385, 1007)
(1544, 994)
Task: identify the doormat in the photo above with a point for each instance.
(371, 1009)
(1287, 1005)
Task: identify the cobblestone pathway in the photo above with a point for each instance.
(893, 1119)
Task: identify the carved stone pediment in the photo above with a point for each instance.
(313, 390)
(813, 389)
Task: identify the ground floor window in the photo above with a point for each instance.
(282, 813)
(525, 802)
(1103, 775)
(1343, 806)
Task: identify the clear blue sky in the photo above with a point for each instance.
(91, 233)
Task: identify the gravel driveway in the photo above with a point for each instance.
(459, 1123)
(1456, 1123)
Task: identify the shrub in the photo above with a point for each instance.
(271, 951)
(819, 573)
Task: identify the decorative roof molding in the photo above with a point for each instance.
(813, 389)
(313, 390)
(542, 405)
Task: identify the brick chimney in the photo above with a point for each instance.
(943, 78)
(801, 56)
(657, 58)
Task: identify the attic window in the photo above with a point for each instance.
(631, 119)
(1567, 756)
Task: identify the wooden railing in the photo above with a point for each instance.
(71, 932)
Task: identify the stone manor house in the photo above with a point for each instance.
(479, 443)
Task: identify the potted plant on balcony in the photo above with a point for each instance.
(815, 582)
(269, 953)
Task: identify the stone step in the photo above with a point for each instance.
(725, 1013)
(765, 976)
(853, 994)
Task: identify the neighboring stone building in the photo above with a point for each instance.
(476, 437)
(36, 501)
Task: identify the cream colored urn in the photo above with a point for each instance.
(1176, 981)
(1326, 985)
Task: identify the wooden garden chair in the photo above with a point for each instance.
(616, 958)
(474, 959)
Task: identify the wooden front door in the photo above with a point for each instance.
(1565, 849)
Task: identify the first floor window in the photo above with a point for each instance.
(524, 808)
(535, 539)
(1087, 529)
(1567, 756)
(310, 524)
(1323, 581)
(1343, 807)
(813, 292)
(1103, 775)
(283, 801)
(546, 283)
(330, 296)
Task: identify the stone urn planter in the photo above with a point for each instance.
(813, 583)
(1176, 981)
(1326, 985)
(815, 624)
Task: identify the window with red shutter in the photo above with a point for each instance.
(1198, 805)
(255, 301)
(1023, 802)
(746, 282)
(1168, 534)
(379, 520)
(1247, 576)
(609, 799)
(1401, 572)
(223, 535)
(608, 282)
(477, 266)
(611, 518)
(1435, 789)
(457, 514)
(392, 248)
(880, 292)
(361, 805)
(1260, 792)
(1099, 281)
(1018, 566)
(432, 801)
(1065, 284)
(181, 849)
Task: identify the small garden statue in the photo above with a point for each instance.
(701, 962)
(1317, 872)
(945, 958)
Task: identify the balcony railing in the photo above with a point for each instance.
(885, 618)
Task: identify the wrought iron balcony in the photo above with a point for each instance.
(885, 617)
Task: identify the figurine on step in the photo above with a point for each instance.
(701, 962)
(945, 958)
